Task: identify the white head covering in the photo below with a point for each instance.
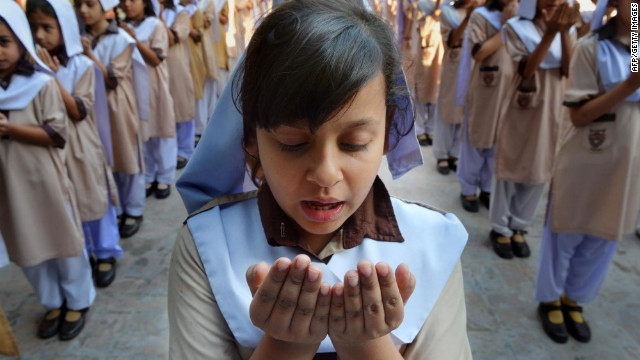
(598, 14)
(23, 88)
(527, 8)
(156, 7)
(69, 26)
(109, 4)
(218, 165)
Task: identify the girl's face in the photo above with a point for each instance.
(90, 11)
(46, 30)
(321, 179)
(133, 8)
(623, 15)
(549, 5)
(10, 50)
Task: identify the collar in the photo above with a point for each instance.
(24, 67)
(112, 28)
(609, 31)
(137, 23)
(374, 219)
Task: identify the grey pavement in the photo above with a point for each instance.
(129, 319)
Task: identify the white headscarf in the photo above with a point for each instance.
(22, 88)
(109, 4)
(69, 26)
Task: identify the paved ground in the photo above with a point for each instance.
(129, 320)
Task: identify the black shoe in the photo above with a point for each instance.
(485, 199)
(163, 193)
(453, 164)
(72, 324)
(104, 278)
(128, 230)
(50, 323)
(182, 162)
(197, 140)
(520, 248)
(93, 264)
(424, 140)
(579, 331)
(152, 188)
(557, 332)
(502, 249)
(471, 205)
(444, 170)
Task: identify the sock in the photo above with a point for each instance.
(576, 316)
(554, 316)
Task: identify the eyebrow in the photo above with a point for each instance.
(359, 123)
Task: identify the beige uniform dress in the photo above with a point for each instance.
(123, 110)
(488, 84)
(180, 80)
(161, 116)
(450, 114)
(221, 45)
(410, 41)
(209, 43)
(595, 183)
(199, 330)
(429, 63)
(196, 56)
(33, 176)
(87, 163)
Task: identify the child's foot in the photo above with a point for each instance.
(182, 162)
(72, 324)
(443, 166)
(424, 140)
(105, 272)
(453, 163)
(163, 191)
(485, 198)
(469, 202)
(576, 326)
(129, 225)
(151, 188)
(50, 323)
(519, 244)
(553, 321)
(501, 245)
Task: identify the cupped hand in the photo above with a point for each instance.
(51, 61)
(290, 301)
(370, 302)
(129, 30)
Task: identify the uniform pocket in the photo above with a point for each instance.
(527, 94)
(489, 75)
(598, 135)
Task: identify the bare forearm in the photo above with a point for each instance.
(489, 47)
(148, 55)
(103, 69)
(567, 50)
(381, 348)
(270, 348)
(537, 56)
(593, 109)
(70, 104)
(30, 134)
(457, 34)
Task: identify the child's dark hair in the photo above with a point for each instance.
(307, 60)
(494, 5)
(40, 5)
(169, 4)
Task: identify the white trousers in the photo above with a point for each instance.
(574, 264)
(513, 205)
(425, 118)
(57, 281)
(160, 158)
(132, 192)
(205, 106)
(102, 236)
(446, 138)
(186, 134)
(475, 166)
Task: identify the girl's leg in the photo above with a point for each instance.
(524, 204)
(502, 193)
(45, 282)
(105, 235)
(167, 150)
(588, 268)
(470, 165)
(151, 159)
(185, 133)
(75, 281)
(132, 193)
(442, 137)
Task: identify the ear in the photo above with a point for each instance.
(387, 133)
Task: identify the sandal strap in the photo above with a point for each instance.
(549, 308)
(107, 261)
(521, 232)
(569, 308)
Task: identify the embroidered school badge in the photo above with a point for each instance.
(523, 100)
(488, 78)
(597, 138)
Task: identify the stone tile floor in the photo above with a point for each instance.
(129, 320)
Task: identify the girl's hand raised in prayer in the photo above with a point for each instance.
(290, 301)
(4, 125)
(509, 11)
(51, 61)
(370, 303)
(129, 30)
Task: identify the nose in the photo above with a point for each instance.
(324, 167)
(39, 34)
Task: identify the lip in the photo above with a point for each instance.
(322, 215)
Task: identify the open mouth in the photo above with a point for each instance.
(322, 211)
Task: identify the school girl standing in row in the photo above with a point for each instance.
(315, 144)
(483, 77)
(125, 77)
(196, 54)
(176, 19)
(33, 133)
(595, 193)
(449, 118)
(55, 29)
(159, 133)
(205, 106)
(539, 42)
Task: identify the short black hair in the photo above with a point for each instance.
(494, 5)
(148, 9)
(307, 60)
(42, 6)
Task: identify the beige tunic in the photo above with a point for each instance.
(87, 164)
(244, 23)
(488, 84)
(199, 331)
(162, 121)
(410, 40)
(429, 63)
(209, 43)
(198, 67)
(530, 121)
(595, 185)
(180, 80)
(221, 46)
(36, 193)
(123, 116)
(451, 114)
